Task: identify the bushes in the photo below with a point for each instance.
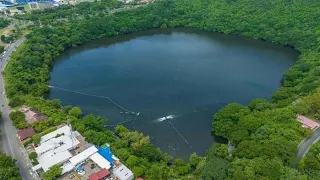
(53, 173)
(27, 142)
(6, 39)
(33, 155)
(18, 119)
(36, 139)
(1, 49)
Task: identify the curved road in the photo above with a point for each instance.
(9, 142)
(306, 144)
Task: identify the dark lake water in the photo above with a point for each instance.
(187, 73)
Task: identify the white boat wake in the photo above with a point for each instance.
(165, 118)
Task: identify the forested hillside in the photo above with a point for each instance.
(265, 134)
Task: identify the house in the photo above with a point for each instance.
(106, 153)
(83, 156)
(54, 148)
(121, 172)
(308, 123)
(33, 115)
(24, 134)
(100, 161)
(99, 175)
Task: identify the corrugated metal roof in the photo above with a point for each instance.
(75, 160)
(101, 161)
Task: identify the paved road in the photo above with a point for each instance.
(9, 142)
(306, 144)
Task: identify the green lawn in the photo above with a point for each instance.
(26, 7)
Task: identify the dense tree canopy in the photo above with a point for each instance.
(263, 135)
(8, 170)
(53, 173)
(4, 22)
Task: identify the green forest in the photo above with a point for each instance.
(8, 169)
(265, 134)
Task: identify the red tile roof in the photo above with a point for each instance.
(93, 177)
(99, 175)
(25, 133)
(307, 123)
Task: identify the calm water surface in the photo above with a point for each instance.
(187, 73)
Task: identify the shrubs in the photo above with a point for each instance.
(53, 173)
(18, 119)
(36, 139)
(27, 142)
(33, 155)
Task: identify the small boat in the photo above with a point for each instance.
(138, 113)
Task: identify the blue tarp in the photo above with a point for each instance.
(107, 154)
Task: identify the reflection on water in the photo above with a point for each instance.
(176, 78)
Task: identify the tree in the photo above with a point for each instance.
(215, 168)
(53, 173)
(121, 129)
(1, 49)
(94, 122)
(33, 155)
(132, 161)
(123, 154)
(8, 170)
(156, 172)
(3, 38)
(225, 119)
(36, 139)
(181, 168)
(138, 171)
(18, 119)
(76, 112)
(194, 160)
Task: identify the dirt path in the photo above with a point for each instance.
(5, 31)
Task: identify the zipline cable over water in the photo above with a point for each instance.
(97, 96)
(179, 133)
(119, 106)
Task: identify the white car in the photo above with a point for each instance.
(81, 173)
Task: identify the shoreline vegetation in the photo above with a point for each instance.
(265, 134)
